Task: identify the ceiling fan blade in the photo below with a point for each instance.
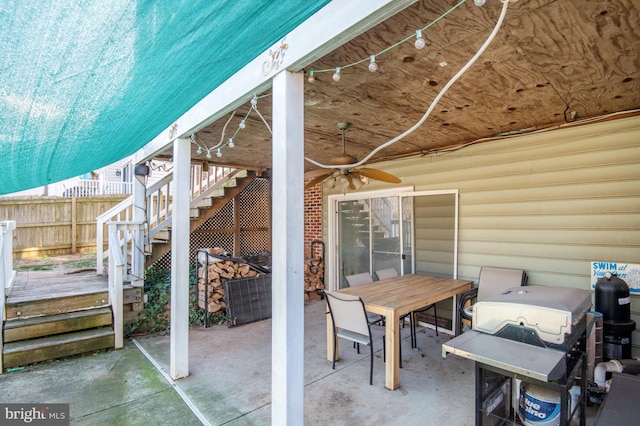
(317, 172)
(313, 182)
(378, 175)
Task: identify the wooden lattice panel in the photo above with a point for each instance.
(218, 230)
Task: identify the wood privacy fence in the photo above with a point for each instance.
(48, 226)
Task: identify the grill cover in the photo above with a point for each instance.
(549, 313)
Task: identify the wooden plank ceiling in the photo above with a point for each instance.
(552, 62)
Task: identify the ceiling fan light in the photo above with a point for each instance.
(342, 182)
(356, 181)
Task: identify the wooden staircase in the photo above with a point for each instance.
(52, 315)
(202, 208)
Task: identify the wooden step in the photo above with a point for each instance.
(55, 305)
(27, 352)
(34, 327)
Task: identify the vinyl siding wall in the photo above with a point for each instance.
(549, 203)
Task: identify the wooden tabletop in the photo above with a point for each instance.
(406, 293)
(394, 298)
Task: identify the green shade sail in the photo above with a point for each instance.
(86, 83)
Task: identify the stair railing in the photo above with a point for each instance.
(205, 180)
(123, 245)
(121, 212)
(382, 211)
(7, 273)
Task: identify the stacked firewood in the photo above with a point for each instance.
(218, 272)
(313, 278)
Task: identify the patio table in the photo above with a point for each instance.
(394, 298)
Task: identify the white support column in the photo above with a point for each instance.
(138, 216)
(287, 366)
(179, 341)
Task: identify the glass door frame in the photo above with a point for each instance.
(332, 259)
(333, 252)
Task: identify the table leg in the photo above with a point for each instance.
(392, 343)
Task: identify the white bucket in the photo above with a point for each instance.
(538, 405)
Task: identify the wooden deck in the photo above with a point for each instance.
(37, 285)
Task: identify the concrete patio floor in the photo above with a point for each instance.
(230, 382)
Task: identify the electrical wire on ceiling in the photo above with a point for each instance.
(435, 101)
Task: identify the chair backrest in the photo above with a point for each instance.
(495, 280)
(348, 312)
(383, 274)
(358, 279)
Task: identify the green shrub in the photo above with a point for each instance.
(155, 317)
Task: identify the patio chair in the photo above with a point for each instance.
(349, 319)
(491, 281)
(359, 279)
(383, 274)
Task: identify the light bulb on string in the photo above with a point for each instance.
(208, 154)
(420, 43)
(242, 124)
(218, 153)
(199, 151)
(254, 101)
(336, 75)
(312, 77)
(373, 67)
(230, 144)
(479, 2)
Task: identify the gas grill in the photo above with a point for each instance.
(533, 333)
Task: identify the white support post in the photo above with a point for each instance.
(287, 366)
(179, 341)
(138, 216)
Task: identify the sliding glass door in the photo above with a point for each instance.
(373, 233)
(411, 232)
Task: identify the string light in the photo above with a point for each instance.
(420, 43)
(434, 102)
(336, 75)
(230, 142)
(373, 67)
(417, 35)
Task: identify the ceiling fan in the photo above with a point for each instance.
(345, 177)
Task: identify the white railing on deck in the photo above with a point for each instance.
(89, 188)
(119, 213)
(7, 273)
(123, 237)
